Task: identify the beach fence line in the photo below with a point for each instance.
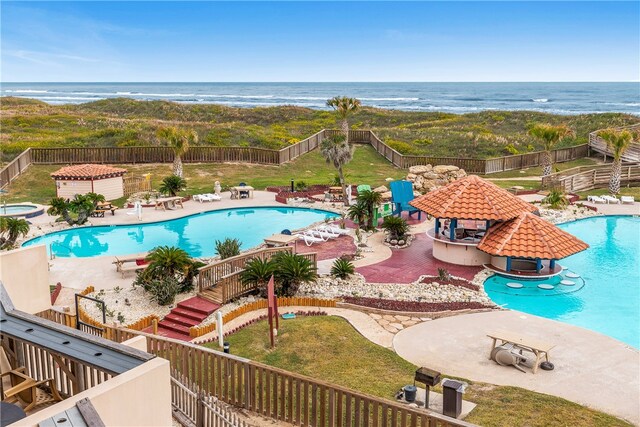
(264, 156)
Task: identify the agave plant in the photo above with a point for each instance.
(396, 227)
(228, 248)
(10, 230)
(342, 268)
(171, 185)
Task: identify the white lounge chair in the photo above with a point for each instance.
(596, 199)
(333, 229)
(323, 234)
(308, 239)
(611, 199)
(627, 199)
(207, 197)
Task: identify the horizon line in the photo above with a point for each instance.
(329, 81)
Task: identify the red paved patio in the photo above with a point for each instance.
(407, 265)
(333, 248)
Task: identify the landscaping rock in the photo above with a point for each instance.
(427, 178)
(420, 169)
(442, 169)
(381, 189)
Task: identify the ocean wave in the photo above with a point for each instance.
(543, 100)
(26, 91)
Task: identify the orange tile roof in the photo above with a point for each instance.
(87, 172)
(530, 236)
(472, 197)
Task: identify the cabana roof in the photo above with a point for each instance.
(529, 236)
(472, 198)
(87, 172)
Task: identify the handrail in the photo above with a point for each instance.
(593, 178)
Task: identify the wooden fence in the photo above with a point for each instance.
(135, 184)
(195, 408)
(593, 177)
(15, 168)
(631, 154)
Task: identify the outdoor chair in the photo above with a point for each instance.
(363, 187)
(28, 391)
(308, 238)
(244, 194)
(401, 195)
(333, 229)
(611, 199)
(596, 199)
(627, 199)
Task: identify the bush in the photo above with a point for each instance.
(342, 268)
(171, 185)
(291, 271)
(258, 272)
(228, 248)
(443, 275)
(164, 289)
(301, 186)
(556, 199)
(169, 262)
(396, 227)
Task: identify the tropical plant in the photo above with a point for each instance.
(370, 200)
(443, 275)
(344, 107)
(291, 271)
(549, 135)
(337, 152)
(396, 226)
(82, 206)
(342, 268)
(169, 261)
(10, 229)
(556, 199)
(171, 185)
(163, 290)
(179, 140)
(301, 186)
(618, 141)
(258, 272)
(228, 248)
(358, 213)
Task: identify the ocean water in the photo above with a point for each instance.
(560, 98)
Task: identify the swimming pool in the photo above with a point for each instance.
(196, 234)
(21, 210)
(609, 299)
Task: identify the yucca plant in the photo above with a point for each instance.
(291, 271)
(258, 272)
(396, 227)
(337, 152)
(171, 185)
(228, 248)
(358, 213)
(556, 199)
(370, 200)
(342, 268)
(10, 230)
(82, 205)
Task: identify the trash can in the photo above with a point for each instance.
(410, 392)
(452, 398)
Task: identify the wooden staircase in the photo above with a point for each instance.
(213, 294)
(188, 313)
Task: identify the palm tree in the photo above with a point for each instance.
(344, 106)
(13, 228)
(338, 152)
(549, 135)
(618, 141)
(59, 207)
(358, 213)
(179, 141)
(371, 200)
(83, 205)
(168, 260)
(171, 185)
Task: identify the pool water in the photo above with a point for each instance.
(606, 296)
(195, 234)
(16, 209)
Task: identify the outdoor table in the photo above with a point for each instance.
(247, 188)
(538, 348)
(281, 240)
(10, 413)
(163, 202)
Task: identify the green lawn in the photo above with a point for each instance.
(329, 348)
(537, 171)
(367, 167)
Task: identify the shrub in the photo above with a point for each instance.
(164, 289)
(342, 268)
(291, 271)
(169, 262)
(228, 248)
(258, 272)
(396, 227)
(556, 199)
(443, 275)
(171, 185)
(301, 186)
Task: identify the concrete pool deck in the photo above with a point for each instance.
(590, 368)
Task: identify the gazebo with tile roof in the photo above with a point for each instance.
(532, 239)
(89, 178)
(470, 206)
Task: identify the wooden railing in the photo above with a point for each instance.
(595, 177)
(299, 148)
(15, 168)
(135, 184)
(631, 154)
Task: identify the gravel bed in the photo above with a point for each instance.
(570, 213)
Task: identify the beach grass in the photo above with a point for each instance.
(329, 348)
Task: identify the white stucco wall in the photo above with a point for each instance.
(24, 273)
(110, 188)
(67, 189)
(459, 254)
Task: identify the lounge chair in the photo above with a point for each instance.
(308, 239)
(333, 229)
(323, 234)
(401, 195)
(363, 187)
(207, 197)
(611, 199)
(627, 199)
(596, 199)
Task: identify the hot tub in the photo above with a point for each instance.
(21, 210)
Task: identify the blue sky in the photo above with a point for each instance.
(320, 41)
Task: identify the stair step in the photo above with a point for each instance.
(181, 320)
(169, 333)
(213, 297)
(174, 327)
(184, 312)
(199, 305)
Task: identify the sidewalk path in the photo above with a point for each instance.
(590, 369)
